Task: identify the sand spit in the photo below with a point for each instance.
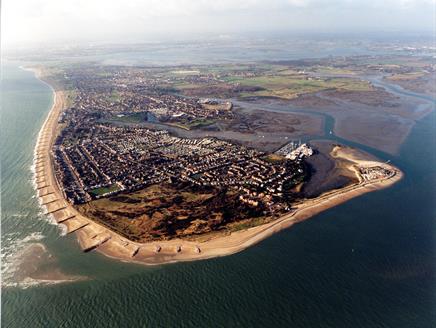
(92, 235)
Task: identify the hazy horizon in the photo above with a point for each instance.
(27, 23)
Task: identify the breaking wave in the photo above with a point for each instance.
(12, 246)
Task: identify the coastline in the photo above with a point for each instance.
(92, 235)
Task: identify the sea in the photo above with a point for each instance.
(370, 262)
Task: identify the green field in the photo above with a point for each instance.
(277, 81)
(115, 96)
(274, 158)
(291, 86)
(333, 70)
(180, 86)
(199, 123)
(104, 190)
(195, 124)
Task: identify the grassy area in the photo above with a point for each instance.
(164, 211)
(275, 81)
(194, 197)
(186, 85)
(406, 76)
(199, 123)
(70, 96)
(193, 124)
(291, 86)
(115, 96)
(333, 70)
(274, 158)
(246, 224)
(104, 190)
(150, 213)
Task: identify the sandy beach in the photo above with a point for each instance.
(92, 235)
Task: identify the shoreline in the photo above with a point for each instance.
(92, 235)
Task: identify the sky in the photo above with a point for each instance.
(40, 22)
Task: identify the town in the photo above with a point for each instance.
(136, 95)
(120, 158)
(103, 149)
(124, 159)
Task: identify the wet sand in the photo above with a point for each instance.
(381, 120)
(92, 235)
(327, 173)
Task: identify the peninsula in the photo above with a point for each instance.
(143, 173)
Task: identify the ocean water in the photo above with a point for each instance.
(370, 262)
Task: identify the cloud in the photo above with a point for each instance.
(25, 21)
